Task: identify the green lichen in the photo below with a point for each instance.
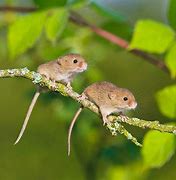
(37, 78)
(112, 129)
(24, 71)
(115, 125)
(11, 72)
(1, 72)
(62, 89)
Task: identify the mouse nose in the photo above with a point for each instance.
(134, 105)
(84, 66)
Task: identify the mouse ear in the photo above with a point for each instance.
(111, 95)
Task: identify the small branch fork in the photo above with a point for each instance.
(79, 20)
(114, 126)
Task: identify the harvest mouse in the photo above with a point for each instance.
(61, 70)
(109, 98)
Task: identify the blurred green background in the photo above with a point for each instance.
(95, 154)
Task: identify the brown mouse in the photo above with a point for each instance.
(61, 70)
(109, 98)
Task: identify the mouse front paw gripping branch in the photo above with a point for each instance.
(114, 124)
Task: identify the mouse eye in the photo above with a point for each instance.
(125, 98)
(75, 61)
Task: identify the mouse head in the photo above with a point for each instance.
(123, 99)
(72, 63)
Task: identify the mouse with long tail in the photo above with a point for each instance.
(61, 70)
(109, 98)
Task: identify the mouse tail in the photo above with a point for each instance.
(71, 128)
(36, 95)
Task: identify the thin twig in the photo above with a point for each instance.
(20, 9)
(113, 126)
(79, 20)
(117, 127)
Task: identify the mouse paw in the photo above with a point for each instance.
(68, 85)
(105, 121)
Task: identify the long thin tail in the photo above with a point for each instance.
(71, 127)
(36, 95)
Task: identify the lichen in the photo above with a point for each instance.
(1, 72)
(11, 72)
(112, 129)
(61, 88)
(129, 136)
(37, 77)
(114, 124)
(24, 71)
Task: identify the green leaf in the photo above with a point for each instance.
(158, 148)
(166, 99)
(24, 32)
(151, 36)
(172, 13)
(171, 60)
(56, 23)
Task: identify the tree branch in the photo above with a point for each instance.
(76, 18)
(115, 121)
(20, 9)
(79, 20)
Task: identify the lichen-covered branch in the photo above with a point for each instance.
(117, 127)
(115, 121)
(145, 124)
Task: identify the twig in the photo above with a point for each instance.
(114, 126)
(76, 18)
(18, 9)
(79, 20)
(117, 127)
(144, 124)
